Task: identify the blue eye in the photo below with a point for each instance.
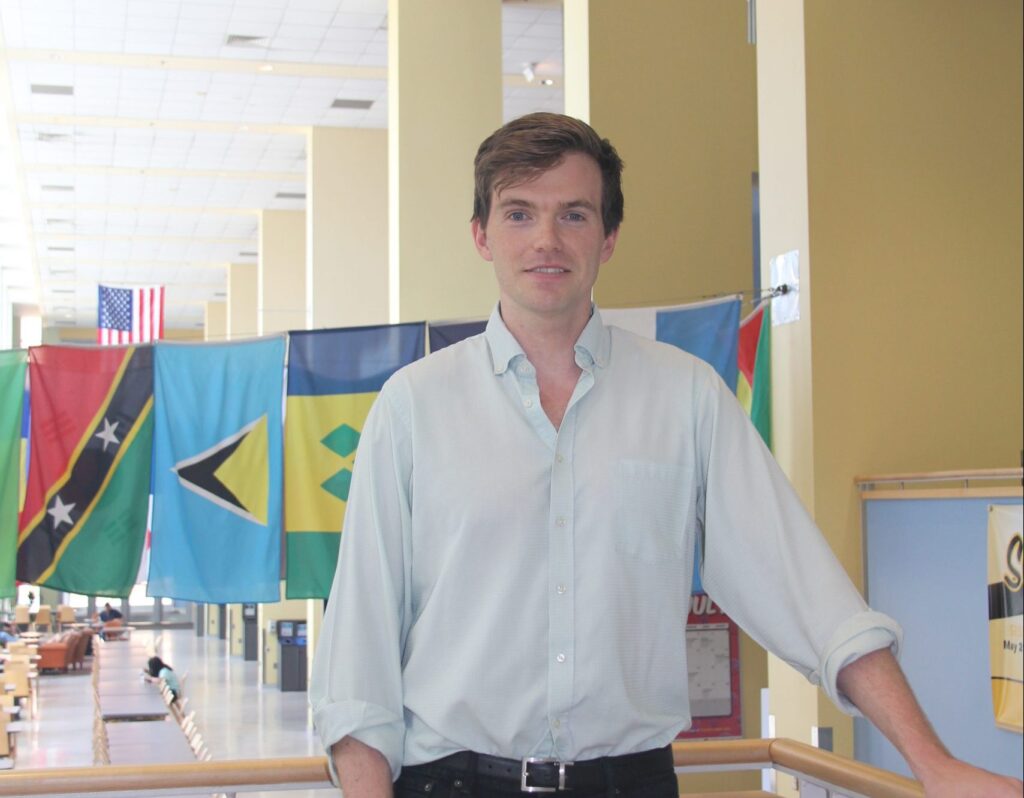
(575, 217)
(517, 216)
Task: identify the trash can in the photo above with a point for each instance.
(250, 634)
(291, 636)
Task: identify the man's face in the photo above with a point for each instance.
(547, 242)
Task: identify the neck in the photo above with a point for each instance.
(548, 341)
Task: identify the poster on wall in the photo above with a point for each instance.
(1006, 614)
(712, 652)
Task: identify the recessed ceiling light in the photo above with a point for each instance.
(290, 195)
(267, 68)
(248, 254)
(48, 138)
(60, 221)
(361, 105)
(57, 188)
(61, 249)
(240, 40)
(43, 88)
(62, 290)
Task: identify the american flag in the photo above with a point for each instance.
(130, 315)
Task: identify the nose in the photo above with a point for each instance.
(546, 238)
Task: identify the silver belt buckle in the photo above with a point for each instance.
(529, 760)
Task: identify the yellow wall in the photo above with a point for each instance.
(908, 355)
(675, 91)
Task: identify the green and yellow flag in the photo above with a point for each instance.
(333, 378)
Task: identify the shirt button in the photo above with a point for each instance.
(560, 589)
(559, 458)
(556, 723)
(527, 403)
(560, 521)
(560, 658)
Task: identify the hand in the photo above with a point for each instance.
(956, 779)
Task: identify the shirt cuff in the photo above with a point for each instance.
(370, 724)
(859, 635)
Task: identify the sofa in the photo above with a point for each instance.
(59, 652)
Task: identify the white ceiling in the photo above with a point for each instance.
(137, 145)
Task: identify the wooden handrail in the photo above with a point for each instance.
(310, 773)
(800, 758)
(240, 775)
(941, 476)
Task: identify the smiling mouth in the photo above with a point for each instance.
(548, 270)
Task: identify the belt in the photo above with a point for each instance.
(538, 774)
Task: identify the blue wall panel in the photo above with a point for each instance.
(926, 566)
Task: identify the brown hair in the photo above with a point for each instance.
(522, 149)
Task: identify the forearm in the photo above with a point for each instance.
(363, 772)
(876, 685)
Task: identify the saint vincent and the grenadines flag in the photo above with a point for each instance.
(84, 520)
(333, 378)
(754, 384)
(217, 471)
(12, 392)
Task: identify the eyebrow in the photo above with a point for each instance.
(513, 202)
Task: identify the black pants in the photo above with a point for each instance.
(436, 781)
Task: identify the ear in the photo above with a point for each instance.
(480, 240)
(608, 247)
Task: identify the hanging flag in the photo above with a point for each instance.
(12, 393)
(84, 519)
(130, 315)
(216, 531)
(754, 384)
(708, 330)
(1006, 614)
(451, 332)
(333, 378)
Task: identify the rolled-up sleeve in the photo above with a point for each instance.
(764, 560)
(356, 684)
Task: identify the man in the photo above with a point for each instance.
(109, 613)
(515, 566)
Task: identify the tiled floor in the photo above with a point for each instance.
(238, 717)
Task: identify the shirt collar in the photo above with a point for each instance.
(592, 347)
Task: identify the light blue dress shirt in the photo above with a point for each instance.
(517, 590)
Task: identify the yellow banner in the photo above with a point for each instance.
(1006, 621)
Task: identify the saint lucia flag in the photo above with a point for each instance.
(333, 378)
(216, 532)
(84, 520)
(709, 330)
(12, 392)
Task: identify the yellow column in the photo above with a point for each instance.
(346, 227)
(906, 213)
(242, 317)
(444, 98)
(215, 321)
(281, 280)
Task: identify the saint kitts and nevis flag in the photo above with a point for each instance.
(12, 392)
(216, 530)
(84, 520)
(333, 378)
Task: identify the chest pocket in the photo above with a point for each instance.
(650, 502)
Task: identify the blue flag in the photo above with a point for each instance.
(217, 463)
(448, 333)
(333, 379)
(711, 331)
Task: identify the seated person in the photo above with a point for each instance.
(8, 633)
(109, 613)
(157, 669)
